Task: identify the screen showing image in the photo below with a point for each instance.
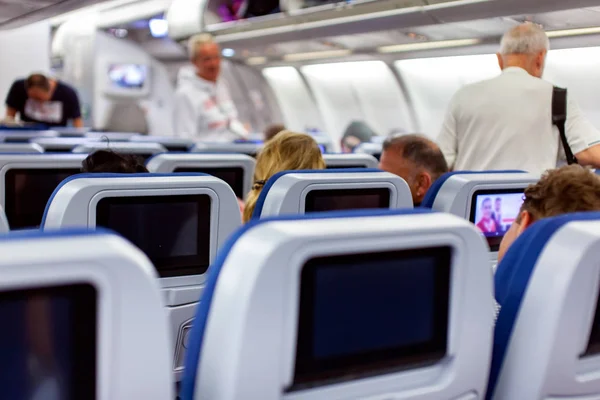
(128, 76)
(391, 309)
(48, 343)
(233, 176)
(494, 211)
(593, 347)
(26, 193)
(346, 166)
(346, 199)
(173, 231)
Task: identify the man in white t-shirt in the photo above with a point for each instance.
(506, 122)
(203, 107)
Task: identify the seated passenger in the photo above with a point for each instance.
(560, 191)
(356, 133)
(286, 151)
(273, 130)
(110, 161)
(416, 159)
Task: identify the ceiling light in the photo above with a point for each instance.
(316, 55)
(256, 60)
(158, 27)
(228, 52)
(573, 32)
(428, 45)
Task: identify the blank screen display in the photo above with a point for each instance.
(347, 199)
(234, 177)
(370, 314)
(173, 231)
(494, 211)
(48, 343)
(27, 191)
(346, 166)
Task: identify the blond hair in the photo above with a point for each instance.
(286, 151)
(196, 41)
(560, 191)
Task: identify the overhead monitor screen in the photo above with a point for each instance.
(494, 211)
(176, 147)
(399, 320)
(234, 176)
(27, 191)
(48, 343)
(346, 199)
(173, 231)
(128, 76)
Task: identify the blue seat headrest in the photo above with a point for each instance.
(196, 337)
(109, 175)
(512, 278)
(431, 194)
(260, 202)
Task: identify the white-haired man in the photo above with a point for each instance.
(506, 122)
(203, 108)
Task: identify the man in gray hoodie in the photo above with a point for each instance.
(203, 107)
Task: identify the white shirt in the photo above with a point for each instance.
(203, 110)
(506, 123)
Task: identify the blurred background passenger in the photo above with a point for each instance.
(272, 130)
(286, 151)
(356, 133)
(110, 161)
(416, 159)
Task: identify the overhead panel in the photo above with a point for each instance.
(16, 13)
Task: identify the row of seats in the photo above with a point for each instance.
(375, 304)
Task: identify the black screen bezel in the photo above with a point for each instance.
(314, 195)
(83, 300)
(10, 191)
(238, 187)
(168, 267)
(311, 372)
(493, 241)
(593, 344)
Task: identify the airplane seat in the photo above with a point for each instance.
(143, 150)
(301, 191)
(83, 319)
(127, 116)
(489, 199)
(20, 148)
(248, 148)
(235, 169)
(27, 182)
(23, 136)
(268, 327)
(350, 160)
(179, 220)
(374, 149)
(547, 335)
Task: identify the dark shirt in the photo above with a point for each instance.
(62, 107)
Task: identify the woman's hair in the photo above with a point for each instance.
(109, 161)
(286, 151)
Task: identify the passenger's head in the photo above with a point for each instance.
(38, 87)
(416, 159)
(286, 151)
(560, 191)
(109, 161)
(205, 54)
(356, 133)
(525, 46)
(273, 130)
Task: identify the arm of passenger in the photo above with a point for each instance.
(184, 117)
(78, 122)
(11, 113)
(583, 137)
(447, 139)
(13, 99)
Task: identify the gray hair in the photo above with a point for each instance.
(197, 40)
(527, 38)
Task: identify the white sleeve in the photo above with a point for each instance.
(447, 139)
(184, 117)
(581, 134)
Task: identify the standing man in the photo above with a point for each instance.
(44, 101)
(203, 106)
(506, 122)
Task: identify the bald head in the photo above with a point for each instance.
(416, 159)
(524, 46)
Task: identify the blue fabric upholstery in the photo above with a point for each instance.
(192, 356)
(437, 185)
(260, 202)
(109, 175)
(512, 278)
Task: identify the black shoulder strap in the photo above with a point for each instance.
(559, 118)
